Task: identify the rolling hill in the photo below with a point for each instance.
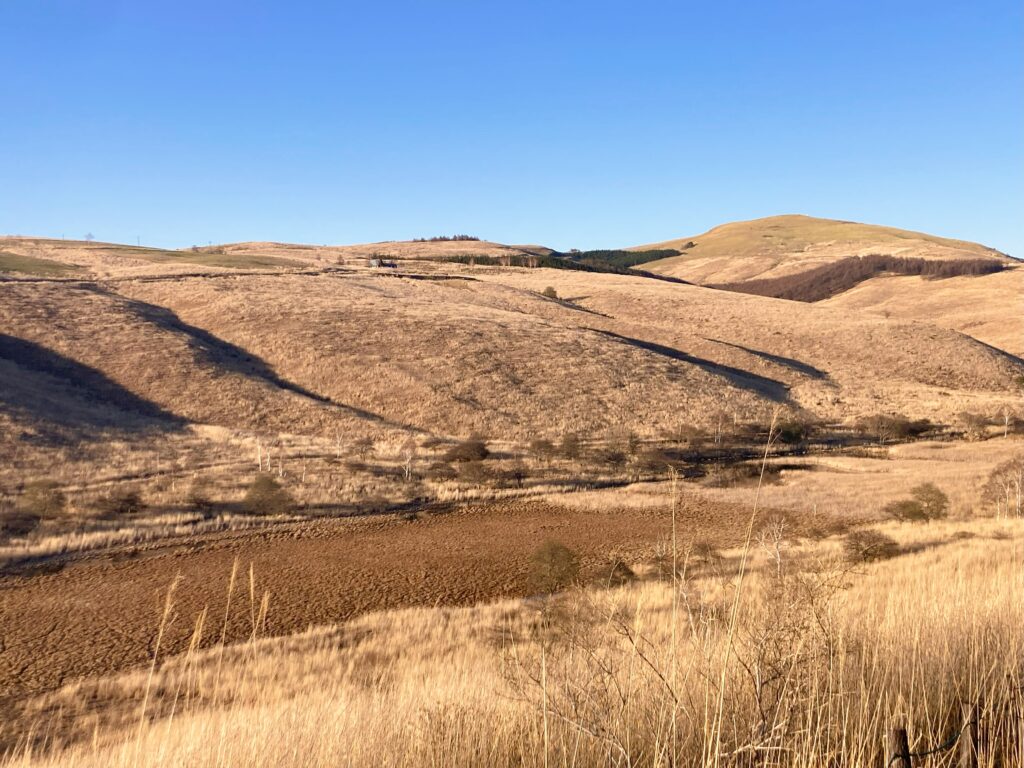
(321, 347)
(880, 271)
(784, 245)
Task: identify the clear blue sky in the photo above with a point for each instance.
(569, 124)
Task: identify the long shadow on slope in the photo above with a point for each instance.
(227, 356)
(787, 362)
(54, 391)
(761, 385)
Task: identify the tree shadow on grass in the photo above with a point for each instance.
(229, 357)
(786, 362)
(53, 392)
(760, 385)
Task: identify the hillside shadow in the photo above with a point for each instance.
(752, 382)
(55, 390)
(786, 362)
(229, 357)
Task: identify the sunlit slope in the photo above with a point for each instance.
(451, 350)
(988, 307)
(32, 257)
(780, 245)
(834, 363)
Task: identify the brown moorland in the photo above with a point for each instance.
(172, 378)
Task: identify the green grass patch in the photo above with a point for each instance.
(32, 265)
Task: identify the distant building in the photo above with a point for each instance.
(376, 262)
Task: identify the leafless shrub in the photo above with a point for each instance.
(974, 425)
(266, 497)
(440, 471)
(473, 449)
(905, 510)
(120, 503)
(43, 498)
(739, 475)
(553, 566)
(571, 447)
(474, 473)
(542, 449)
(885, 428)
(868, 546)
(17, 522)
(200, 497)
(934, 502)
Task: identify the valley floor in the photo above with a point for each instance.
(78, 640)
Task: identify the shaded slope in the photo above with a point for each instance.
(828, 280)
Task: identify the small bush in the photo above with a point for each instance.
(570, 447)
(868, 546)
(516, 475)
(549, 293)
(610, 457)
(440, 471)
(974, 425)
(43, 498)
(542, 449)
(704, 551)
(619, 573)
(906, 510)
(266, 497)
(468, 450)
(933, 501)
(651, 459)
(474, 473)
(793, 432)
(553, 566)
(741, 475)
(120, 503)
(884, 428)
(200, 498)
(16, 522)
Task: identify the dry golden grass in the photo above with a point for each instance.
(817, 662)
(346, 383)
(990, 308)
(153, 383)
(835, 364)
(781, 245)
(26, 257)
(857, 489)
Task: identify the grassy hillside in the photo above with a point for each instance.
(33, 265)
(808, 259)
(779, 245)
(989, 308)
(451, 350)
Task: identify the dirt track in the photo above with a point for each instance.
(101, 614)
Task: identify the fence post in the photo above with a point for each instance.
(969, 736)
(897, 749)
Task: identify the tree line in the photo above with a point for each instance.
(828, 280)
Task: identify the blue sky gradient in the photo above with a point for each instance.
(570, 124)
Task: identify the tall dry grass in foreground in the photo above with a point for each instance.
(819, 661)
